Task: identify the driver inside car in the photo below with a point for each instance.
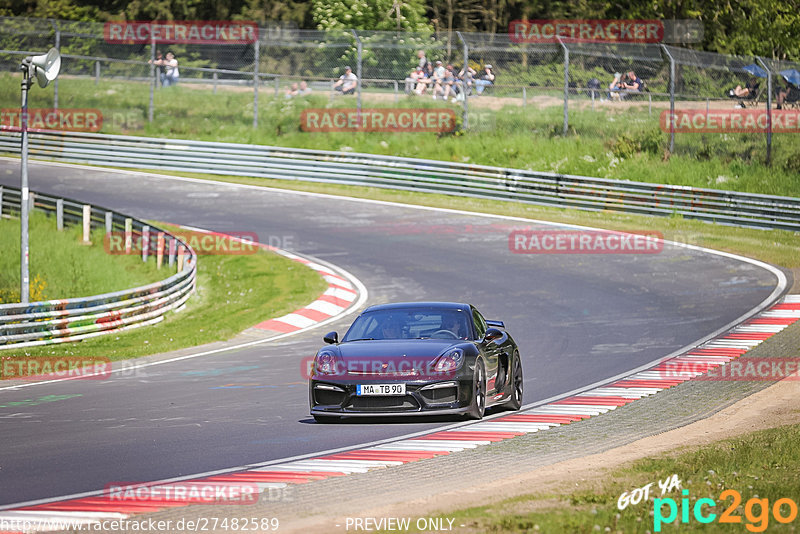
(454, 324)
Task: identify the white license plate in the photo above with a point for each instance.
(380, 389)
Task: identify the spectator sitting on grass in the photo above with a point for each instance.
(425, 80)
(615, 87)
(439, 74)
(485, 80)
(347, 82)
(413, 78)
(304, 89)
(293, 91)
(633, 83)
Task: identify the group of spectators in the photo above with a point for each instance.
(166, 68)
(624, 85)
(445, 82)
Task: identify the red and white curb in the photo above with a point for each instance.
(340, 295)
(714, 353)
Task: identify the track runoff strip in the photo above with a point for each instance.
(115, 504)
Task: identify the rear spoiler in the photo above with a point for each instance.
(496, 324)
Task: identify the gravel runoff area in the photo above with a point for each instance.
(690, 414)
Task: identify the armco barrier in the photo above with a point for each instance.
(548, 189)
(58, 321)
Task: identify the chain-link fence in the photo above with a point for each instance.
(557, 88)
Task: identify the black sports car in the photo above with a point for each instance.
(416, 358)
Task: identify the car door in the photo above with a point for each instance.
(491, 352)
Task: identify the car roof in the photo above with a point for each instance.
(413, 305)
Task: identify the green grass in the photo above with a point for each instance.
(619, 142)
(759, 465)
(234, 292)
(61, 267)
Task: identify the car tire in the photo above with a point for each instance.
(517, 385)
(326, 419)
(477, 406)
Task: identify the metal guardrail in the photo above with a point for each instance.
(59, 321)
(546, 189)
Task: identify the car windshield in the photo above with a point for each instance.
(409, 324)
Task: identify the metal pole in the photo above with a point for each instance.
(359, 49)
(57, 47)
(465, 105)
(566, 85)
(256, 49)
(24, 280)
(96, 72)
(769, 111)
(671, 99)
(152, 79)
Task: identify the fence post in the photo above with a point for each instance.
(152, 79)
(566, 84)
(396, 90)
(1, 200)
(109, 222)
(277, 84)
(769, 111)
(128, 235)
(97, 72)
(57, 47)
(671, 99)
(215, 81)
(524, 96)
(181, 252)
(60, 214)
(359, 50)
(145, 242)
(87, 224)
(256, 49)
(465, 115)
(172, 248)
(159, 250)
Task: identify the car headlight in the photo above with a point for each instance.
(326, 363)
(450, 361)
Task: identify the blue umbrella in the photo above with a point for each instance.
(792, 76)
(755, 70)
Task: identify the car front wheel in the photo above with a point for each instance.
(478, 405)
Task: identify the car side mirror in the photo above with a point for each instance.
(492, 334)
(331, 338)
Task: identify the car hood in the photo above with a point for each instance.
(396, 348)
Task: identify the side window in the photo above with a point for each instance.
(480, 324)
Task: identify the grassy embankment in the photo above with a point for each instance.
(234, 292)
(618, 141)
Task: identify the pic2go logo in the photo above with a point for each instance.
(783, 511)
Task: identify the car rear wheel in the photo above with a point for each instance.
(478, 405)
(516, 383)
(324, 419)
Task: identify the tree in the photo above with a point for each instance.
(386, 15)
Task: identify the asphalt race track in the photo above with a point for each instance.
(578, 319)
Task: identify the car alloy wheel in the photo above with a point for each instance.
(478, 406)
(516, 394)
